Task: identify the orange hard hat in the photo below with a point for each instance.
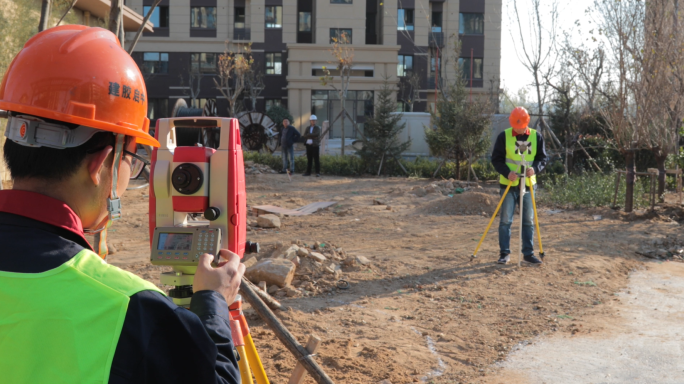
(519, 118)
(79, 75)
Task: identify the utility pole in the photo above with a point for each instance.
(44, 15)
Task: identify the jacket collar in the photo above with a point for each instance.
(42, 208)
(527, 132)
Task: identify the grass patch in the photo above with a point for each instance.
(585, 283)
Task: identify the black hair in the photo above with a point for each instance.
(50, 163)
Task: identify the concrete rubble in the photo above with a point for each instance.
(251, 168)
(302, 268)
(268, 221)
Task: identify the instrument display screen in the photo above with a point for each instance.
(175, 241)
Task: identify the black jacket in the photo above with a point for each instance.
(499, 154)
(159, 342)
(291, 135)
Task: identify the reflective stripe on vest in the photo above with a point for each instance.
(514, 160)
(63, 325)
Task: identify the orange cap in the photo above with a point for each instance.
(79, 75)
(519, 118)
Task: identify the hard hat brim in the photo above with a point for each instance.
(142, 136)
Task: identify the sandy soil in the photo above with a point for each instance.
(423, 311)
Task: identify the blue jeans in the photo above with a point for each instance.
(285, 152)
(507, 210)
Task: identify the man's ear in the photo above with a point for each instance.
(95, 163)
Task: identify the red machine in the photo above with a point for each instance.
(197, 200)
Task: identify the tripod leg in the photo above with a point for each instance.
(492, 220)
(536, 223)
(243, 363)
(255, 361)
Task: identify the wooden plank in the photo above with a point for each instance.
(299, 371)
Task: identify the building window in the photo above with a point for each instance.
(160, 16)
(436, 21)
(270, 103)
(157, 108)
(198, 103)
(464, 64)
(403, 107)
(274, 63)
(340, 1)
(304, 23)
(341, 35)
(274, 17)
(155, 62)
(405, 19)
(405, 66)
(326, 104)
(471, 24)
(203, 17)
(239, 17)
(203, 62)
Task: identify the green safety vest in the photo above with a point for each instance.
(514, 160)
(63, 325)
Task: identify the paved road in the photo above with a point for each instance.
(643, 344)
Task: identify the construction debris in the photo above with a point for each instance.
(301, 211)
(278, 272)
(293, 270)
(268, 221)
(670, 247)
(251, 168)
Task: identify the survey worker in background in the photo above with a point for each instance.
(78, 106)
(288, 137)
(312, 141)
(508, 164)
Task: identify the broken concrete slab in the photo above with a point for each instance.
(362, 260)
(278, 272)
(268, 221)
(317, 256)
(248, 262)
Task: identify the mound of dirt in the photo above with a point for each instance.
(469, 203)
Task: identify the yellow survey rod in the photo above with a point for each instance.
(243, 362)
(255, 361)
(492, 219)
(536, 222)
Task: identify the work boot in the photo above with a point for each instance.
(504, 258)
(282, 172)
(532, 260)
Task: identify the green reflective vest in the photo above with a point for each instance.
(63, 325)
(514, 160)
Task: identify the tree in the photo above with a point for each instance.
(254, 85)
(460, 128)
(537, 46)
(409, 89)
(233, 69)
(277, 114)
(343, 55)
(381, 141)
(194, 85)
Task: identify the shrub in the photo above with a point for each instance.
(591, 189)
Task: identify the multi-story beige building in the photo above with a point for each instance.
(291, 42)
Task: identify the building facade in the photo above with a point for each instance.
(393, 40)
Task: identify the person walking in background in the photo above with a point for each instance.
(509, 164)
(288, 136)
(312, 135)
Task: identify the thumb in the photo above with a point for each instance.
(205, 261)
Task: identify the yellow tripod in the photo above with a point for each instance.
(474, 255)
(536, 221)
(249, 357)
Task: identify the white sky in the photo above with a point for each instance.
(514, 76)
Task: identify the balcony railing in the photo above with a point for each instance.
(242, 34)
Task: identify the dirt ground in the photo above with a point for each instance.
(423, 310)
